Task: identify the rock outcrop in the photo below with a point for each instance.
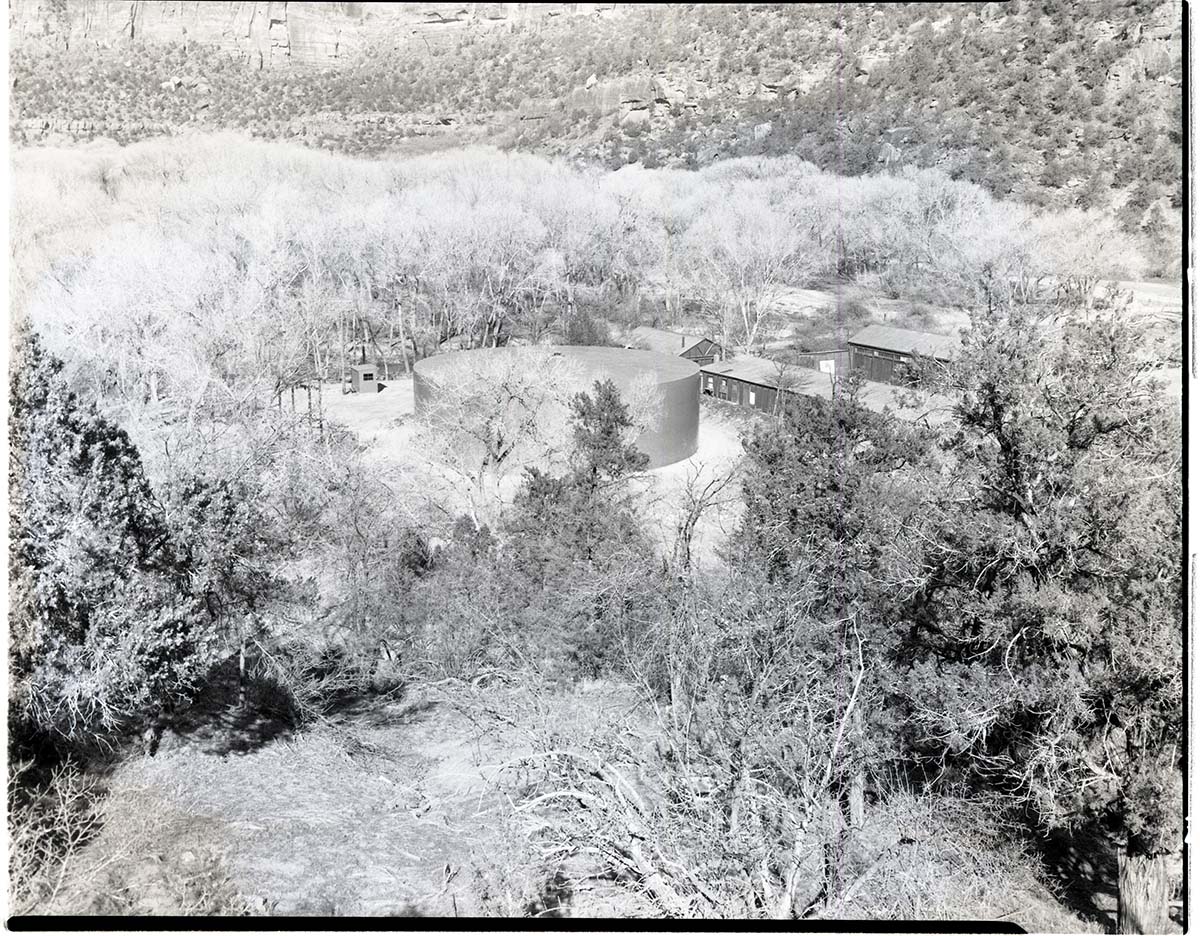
(270, 32)
(1157, 47)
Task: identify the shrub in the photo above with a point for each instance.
(132, 853)
(105, 630)
(51, 815)
(583, 328)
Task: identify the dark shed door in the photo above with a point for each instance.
(875, 365)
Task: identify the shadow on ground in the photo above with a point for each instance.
(222, 720)
(378, 709)
(1084, 866)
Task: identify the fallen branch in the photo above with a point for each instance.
(584, 798)
(656, 884)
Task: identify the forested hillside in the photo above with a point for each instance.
(1052, 103)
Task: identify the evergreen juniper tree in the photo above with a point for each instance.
(1048, 632)
(105, 630)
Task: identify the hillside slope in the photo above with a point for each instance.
(1055, 103)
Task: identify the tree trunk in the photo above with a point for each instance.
(1141, 893)
(856, 794)
(342, 342)
(320, 409)
(414, 331)
(834, 854)
(856, 798)
(242, 675)
(403, 350)
(737, 791)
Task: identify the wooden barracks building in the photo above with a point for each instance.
(882, 353)
(748, 381)
(878, 352)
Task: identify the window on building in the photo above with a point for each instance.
(751, 397)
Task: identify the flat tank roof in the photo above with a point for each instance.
(621, 364)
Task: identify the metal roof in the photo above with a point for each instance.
(663, 341)
(765, 373)
(750, 369)
(806, 381)
(903, 341)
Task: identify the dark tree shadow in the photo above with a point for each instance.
(378, 709)
(1083, 865)
(223, 720)
(234, 731)
(228, 718)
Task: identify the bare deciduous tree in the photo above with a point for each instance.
(743, 253)
(492, 417)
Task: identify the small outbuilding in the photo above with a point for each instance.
(364, 378)
(883, 354)
(693, 347)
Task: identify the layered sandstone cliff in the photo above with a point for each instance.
(270, 32)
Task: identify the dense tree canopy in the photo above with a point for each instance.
(1018, 587)
(991, 604)
(105, 626)
(1051, 606)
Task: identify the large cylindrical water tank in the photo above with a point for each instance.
(675, 382)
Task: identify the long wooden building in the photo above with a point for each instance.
(756, 383)
(883, 353)
(751, 381)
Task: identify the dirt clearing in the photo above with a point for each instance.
(392, 808)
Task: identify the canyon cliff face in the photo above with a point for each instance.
(271, 32)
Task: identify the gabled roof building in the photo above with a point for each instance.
(883, 353)
(693, 347)
(756, 382)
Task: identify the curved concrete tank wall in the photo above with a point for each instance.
(676, 381)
